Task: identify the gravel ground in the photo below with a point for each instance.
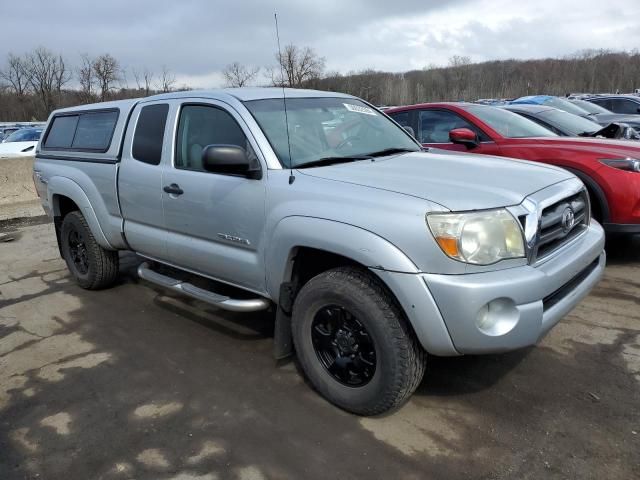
(132, 382)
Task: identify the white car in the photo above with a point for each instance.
(21, 143)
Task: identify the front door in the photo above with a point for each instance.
(215, 222)
(434, 127)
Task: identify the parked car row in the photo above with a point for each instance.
(7, 129)
(610, 169)
(627, 122)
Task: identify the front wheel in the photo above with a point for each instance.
(353, 342)
(92, 266)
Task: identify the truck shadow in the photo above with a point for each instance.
(132, 383)
(451, 376)
(623, 249)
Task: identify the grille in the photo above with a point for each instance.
(550, 300)
(561, 222)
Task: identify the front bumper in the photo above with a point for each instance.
(524, 302)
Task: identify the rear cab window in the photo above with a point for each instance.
(83, 131)
(149, 135)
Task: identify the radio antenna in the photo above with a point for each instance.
(292, 178)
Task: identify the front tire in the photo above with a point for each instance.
(353, 342)
(92, 266)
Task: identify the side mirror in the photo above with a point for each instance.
(229, 159)
(464, 136)
(409, 130)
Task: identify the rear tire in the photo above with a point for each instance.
(92, 266)
(354, 343)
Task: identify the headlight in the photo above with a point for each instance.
(630, 133)
(629, 164)
(480, 238)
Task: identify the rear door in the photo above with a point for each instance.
(140, 179)
(625, 106)
(215, 222)
(408, 118)
(603, 102)
(434, 126)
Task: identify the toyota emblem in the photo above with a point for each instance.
(568, 219)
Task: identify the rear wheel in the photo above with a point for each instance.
(92, 266)
(353, 342)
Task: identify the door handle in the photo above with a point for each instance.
(173, 189)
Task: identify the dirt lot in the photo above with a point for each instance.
(133, 383)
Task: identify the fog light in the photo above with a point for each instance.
(498, 317)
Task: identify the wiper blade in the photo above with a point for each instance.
(390, 151)
(321, 162)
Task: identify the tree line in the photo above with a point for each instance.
(33, 84)
(37, 82)
(593, 71)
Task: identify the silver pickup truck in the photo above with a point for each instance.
(371, 251)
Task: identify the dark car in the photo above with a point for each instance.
(605, 117)
(566, 124)
(627, 104)
(609, 168)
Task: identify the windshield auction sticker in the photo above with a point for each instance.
(359, 109)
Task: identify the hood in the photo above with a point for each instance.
(457, 181)
(601, 147)
(607, 118)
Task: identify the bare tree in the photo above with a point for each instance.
(143, 80)
(48, 73)
(238, 75)
(167, 80)
(147, 76)
(16, 74)
(459, 61)
(296, 66)
(87, 78)
(107, 72)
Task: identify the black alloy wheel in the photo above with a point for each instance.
(343, 346)
(78, 251)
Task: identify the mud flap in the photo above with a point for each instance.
(57, 223)
(282, 338)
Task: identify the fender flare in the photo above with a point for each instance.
(355, 243)
(383, 258)
(68, 188)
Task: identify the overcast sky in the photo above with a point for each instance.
(195, 39)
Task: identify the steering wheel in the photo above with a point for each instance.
(347, 141)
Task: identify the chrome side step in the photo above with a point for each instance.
(220, 301)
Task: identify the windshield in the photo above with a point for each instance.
(565, 105)
(327, 128)
(590, 107)
(24, 135)
(570, 124)
(509, 124)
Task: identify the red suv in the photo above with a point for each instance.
(610, 169)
